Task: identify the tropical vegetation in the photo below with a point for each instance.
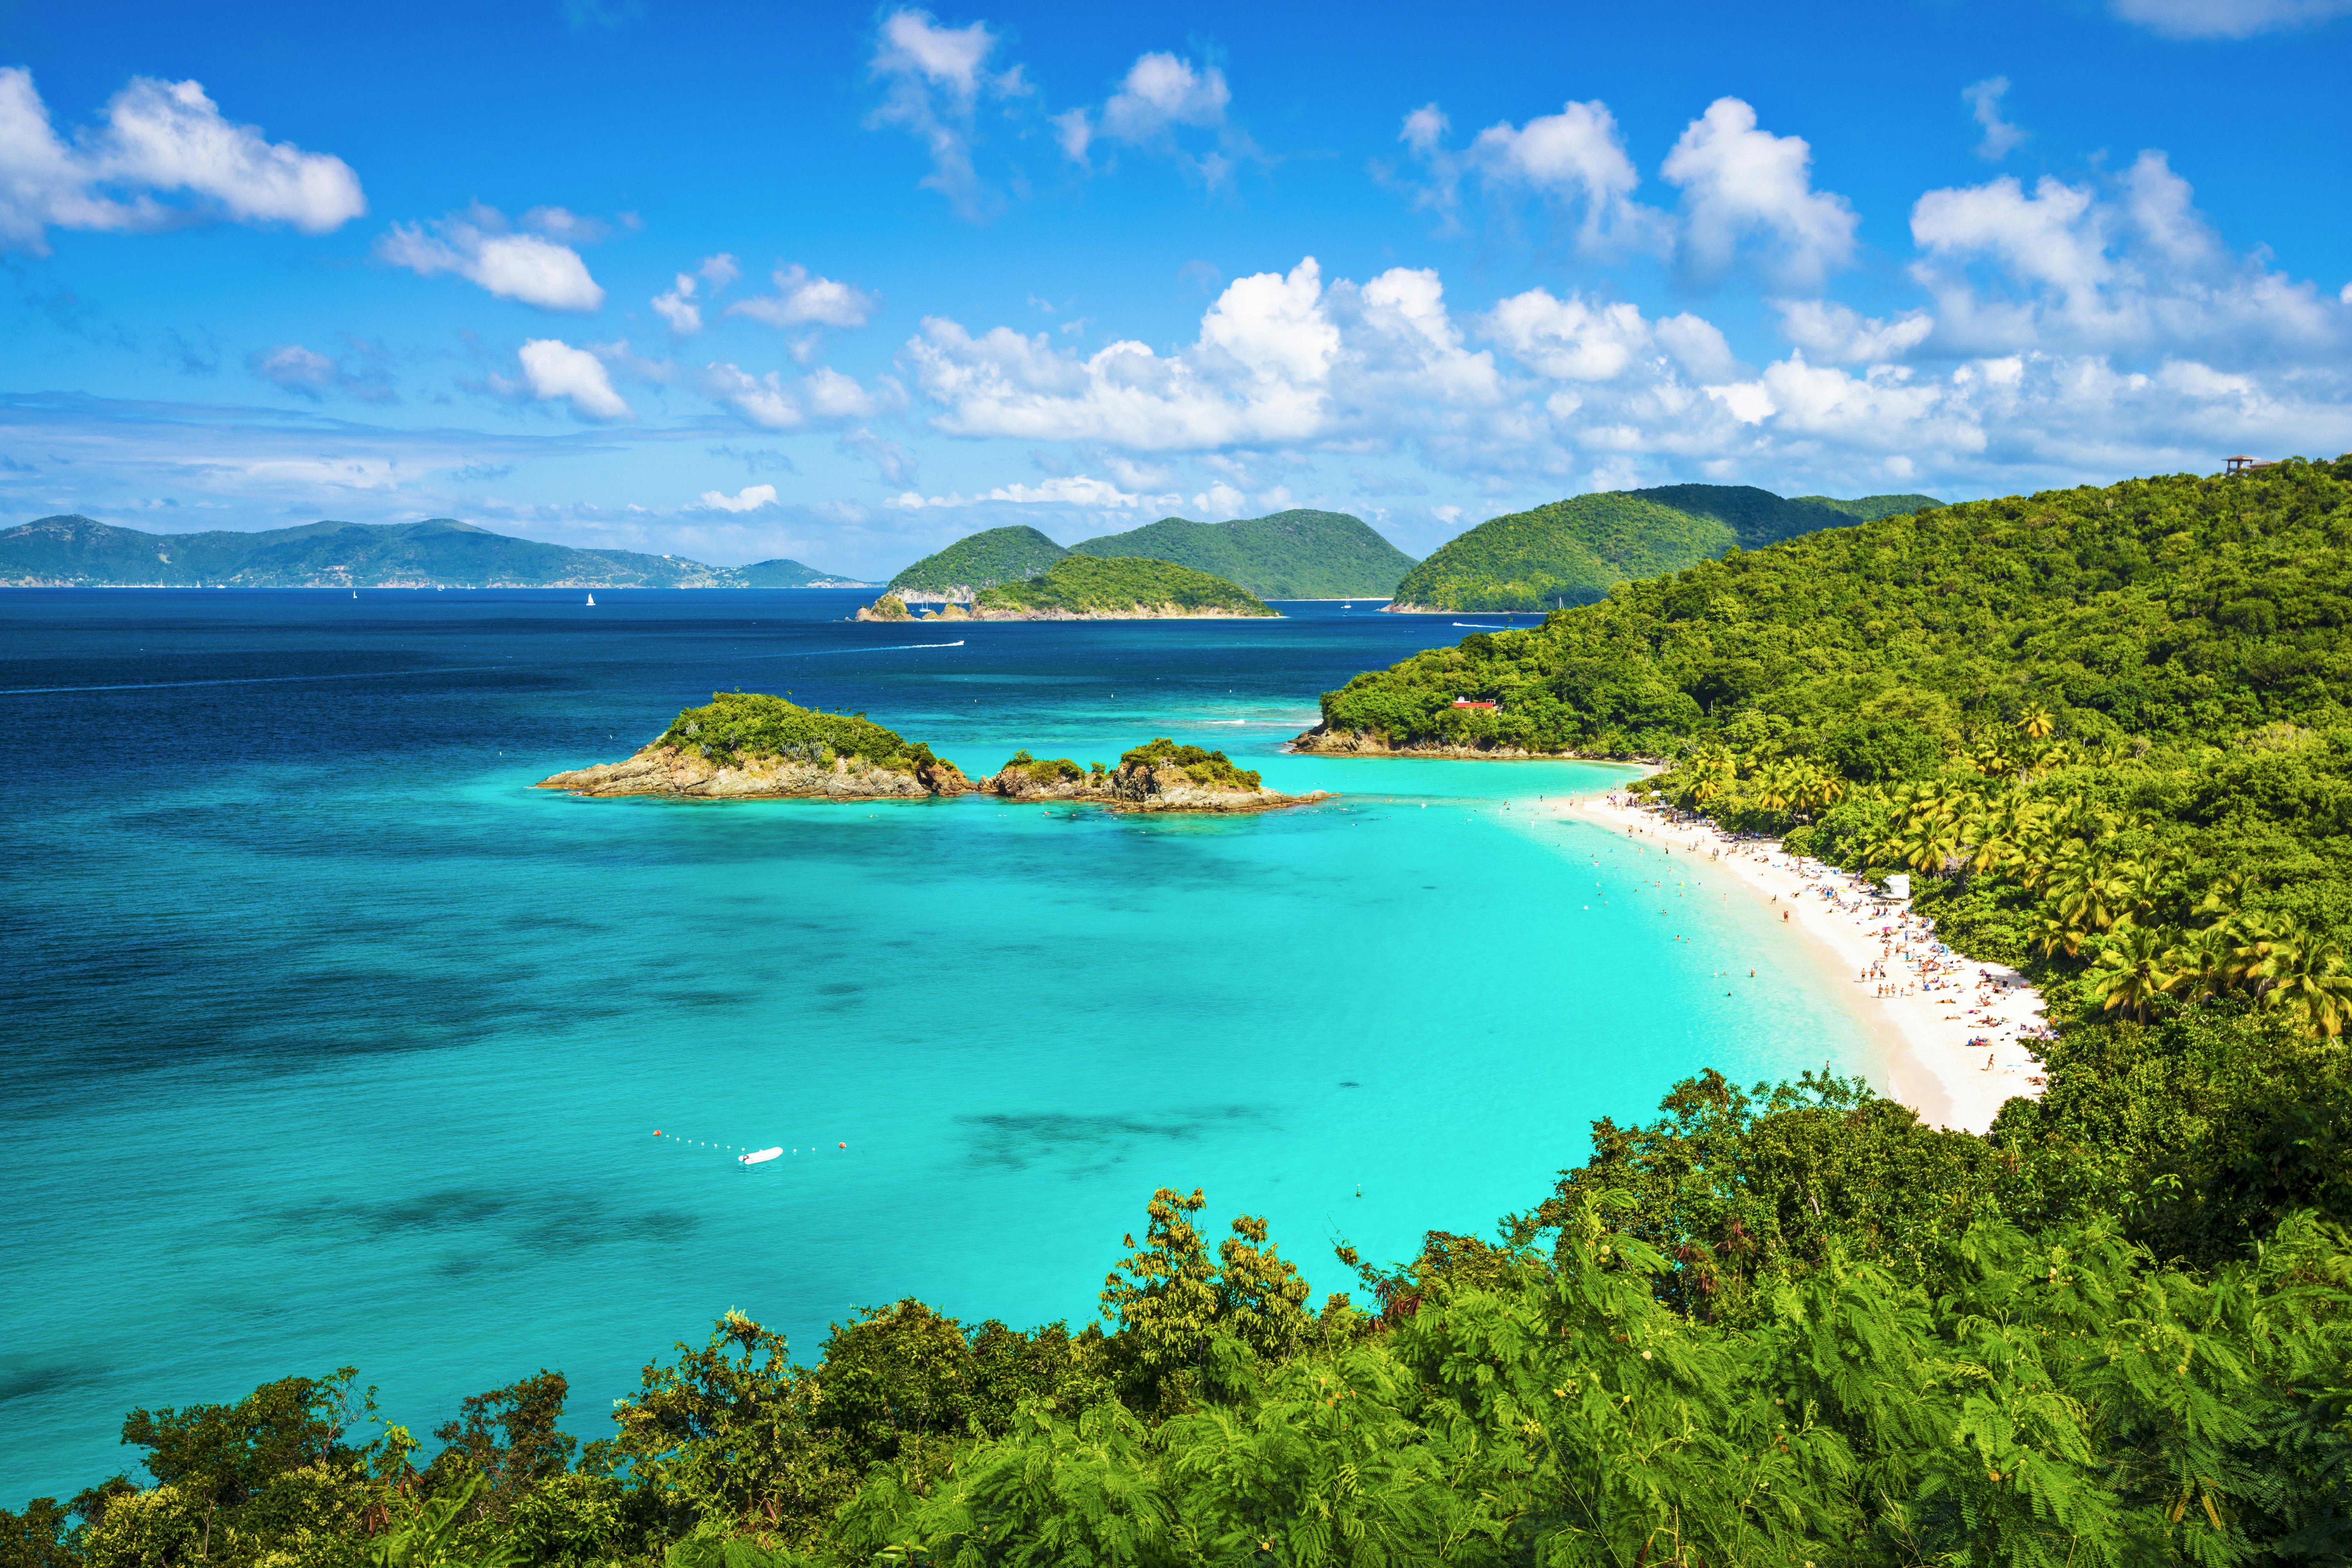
(1122, 585)
(1297, 554)
(737, 725)
(980, 560)
(1573, 551)
(1199, 764)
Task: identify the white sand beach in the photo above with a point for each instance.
(1959, 1033)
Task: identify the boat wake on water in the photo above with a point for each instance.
(885, 648)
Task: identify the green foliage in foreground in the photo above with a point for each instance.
(1202, 766)
(1573, 551)
(1081, 585)
(979, 560)
(740, 724)
(1974, 1393)
(1297, 554)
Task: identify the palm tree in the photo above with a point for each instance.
(2035, 721)
(2310, 983)
(2131, 973)
(2201, 961)
(2055, 934)
(2095, 893)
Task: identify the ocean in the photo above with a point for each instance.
(330, 1041)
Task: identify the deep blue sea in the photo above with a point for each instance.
(327, 1040)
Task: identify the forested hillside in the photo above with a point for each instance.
(2105, 730)
(980, 560)
(1121, 585)
(1298, 555)
(1573, 551)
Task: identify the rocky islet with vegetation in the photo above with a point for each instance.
(754, 746)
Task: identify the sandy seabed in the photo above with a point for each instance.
(1958, 1033)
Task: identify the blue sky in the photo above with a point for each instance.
(844, 284)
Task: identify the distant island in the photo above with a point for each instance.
(1297, 554)
(1573, 551)
(748, 745)
(1086, 588)
(76, 551)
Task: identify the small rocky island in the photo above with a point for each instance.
(1088, 588)
(749, 746)
(1158, 776)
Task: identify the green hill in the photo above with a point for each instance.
(78, 551)
(980, 560)
(1296, 554)
(1573, 551)
(787, 573)
(1089, 585)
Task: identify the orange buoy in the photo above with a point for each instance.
(656, 1131)
(841, 1146)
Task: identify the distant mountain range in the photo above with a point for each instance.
(1299, 554)
(77, 552)
(1569, 553)
(1573, 551)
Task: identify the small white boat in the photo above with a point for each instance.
(759, 1156)
(592, 599)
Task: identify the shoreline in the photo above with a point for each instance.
(1952, 1061)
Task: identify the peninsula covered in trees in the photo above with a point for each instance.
(2106, 731)
(1573, 551)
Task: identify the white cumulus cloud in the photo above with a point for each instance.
(159, 137)
(1161, 94)
(1844, 336)
(1739, 183)
(678, 306)
(2127, 266)
(823, 397)
(802, 299)
(1983, 98)
(479, 246)
(1279, 358)
(553, 370)
(1575, 159)
(934, 79)
(751, 498)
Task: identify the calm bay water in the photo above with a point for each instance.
(329, 1040)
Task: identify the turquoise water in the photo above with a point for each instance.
(331, 1041)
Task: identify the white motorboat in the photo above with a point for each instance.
(759, 1156)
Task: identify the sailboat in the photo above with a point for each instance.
(592, 601)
